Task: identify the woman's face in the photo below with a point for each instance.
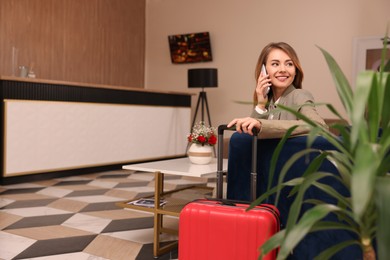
(280, 69)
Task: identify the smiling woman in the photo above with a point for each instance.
(284, 75)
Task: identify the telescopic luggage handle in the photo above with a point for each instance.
(220, 171)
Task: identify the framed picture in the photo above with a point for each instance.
(189, 48)
(367, 54)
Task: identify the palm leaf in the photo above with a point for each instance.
(276, 154)
(332, 192)
(363, 178)
(295, 157)
(382, 202)
(328, 253)
(359, 130)
(374, 110)
(272, 243)
(344, 216)
(303, 227)
(333, 110)
(269, 192)
(313, 167)
(295, 208)
(343, 166)
(331, 138)
(386, 106)
(342, 85)
(327, 225)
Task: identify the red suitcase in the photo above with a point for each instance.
(212, 230)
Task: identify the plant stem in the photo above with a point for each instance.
(368, 250)
(369, 253)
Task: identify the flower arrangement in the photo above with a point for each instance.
(202, 134)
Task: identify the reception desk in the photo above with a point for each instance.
(52, 126)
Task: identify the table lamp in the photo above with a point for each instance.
(202, 78)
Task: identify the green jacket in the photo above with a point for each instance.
(283, 120)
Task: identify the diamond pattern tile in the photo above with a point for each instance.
(77, 217)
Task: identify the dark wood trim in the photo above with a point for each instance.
(61, 92)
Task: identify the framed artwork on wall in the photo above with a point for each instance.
(367, 54)
(190, 48)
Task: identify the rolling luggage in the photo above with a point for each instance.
(212, 230)
(220, 172)
(221, 229)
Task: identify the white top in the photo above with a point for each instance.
(181, 166)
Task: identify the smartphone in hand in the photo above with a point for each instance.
(264, 72)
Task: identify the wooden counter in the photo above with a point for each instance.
(54, 126)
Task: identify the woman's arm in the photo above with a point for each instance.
(276, 128)
(305, 102)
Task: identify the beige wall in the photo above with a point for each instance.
(239, 30)
(91, 41)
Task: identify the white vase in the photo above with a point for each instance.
(199, 154)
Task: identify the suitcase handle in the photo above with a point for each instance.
(220, 172)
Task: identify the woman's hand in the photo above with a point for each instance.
(263, 83)
(245, 124)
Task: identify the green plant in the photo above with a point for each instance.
(362, 155)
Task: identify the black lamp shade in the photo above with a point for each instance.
(203, 78)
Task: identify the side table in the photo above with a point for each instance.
(182, 167)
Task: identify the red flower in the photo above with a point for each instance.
(212, 140)
(201, 139)
(202, 134)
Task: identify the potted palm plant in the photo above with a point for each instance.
(362, 158)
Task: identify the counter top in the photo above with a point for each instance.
(90, 85)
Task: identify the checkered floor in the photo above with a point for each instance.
(77, 217)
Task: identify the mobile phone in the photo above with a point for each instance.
(264, 72)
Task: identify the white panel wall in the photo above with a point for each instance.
(44, 136)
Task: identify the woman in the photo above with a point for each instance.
(284, 77)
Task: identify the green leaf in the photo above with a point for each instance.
(363, 178)
(328, 253)
(312, 167)
(303, 227)
(384, 51)
(259, 200)
(289, 164)
(359, 131)
(386, 105)
(272, 243)
(343, 165)
(334, 111)
(374, 109)
(383, 202)
(342, 85)
(329, 225)
(334, 140)
(276, 153)
(387, 66)
(344, 215)
(243, 102)
(296, 206)
(385, 165)
(332, 192)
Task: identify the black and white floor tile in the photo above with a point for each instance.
(77, 217)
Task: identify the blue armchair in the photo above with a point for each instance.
(238, 187)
